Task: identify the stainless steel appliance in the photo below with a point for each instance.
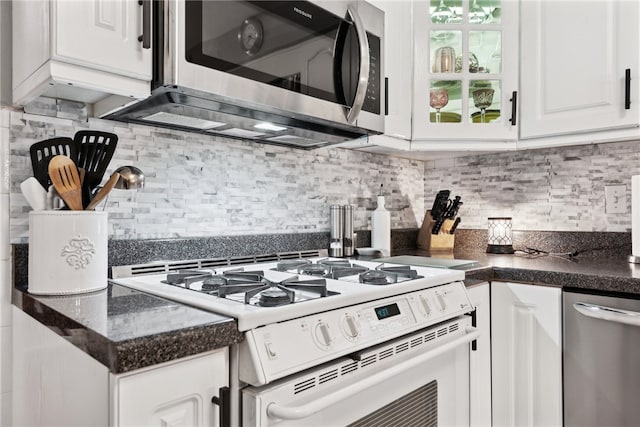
(600, 359)
(332, 341)
(298, 73)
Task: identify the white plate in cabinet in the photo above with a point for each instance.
(79, 50)
(574, 57)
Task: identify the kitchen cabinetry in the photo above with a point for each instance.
(573, 61)
(81, 51)
(526, 355)
(55, 383)
(466, 70)
(483, 59)
(480, 360)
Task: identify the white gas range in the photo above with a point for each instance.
(301, 316)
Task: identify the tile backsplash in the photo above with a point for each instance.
(200, 185)
(545, 189)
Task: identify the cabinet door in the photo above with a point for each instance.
(466, 70)
(480, 360)
(102, 35)
(574, 57)
(398, 63)
(526, 355)
(176, 394)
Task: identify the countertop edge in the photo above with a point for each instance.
(130, 354)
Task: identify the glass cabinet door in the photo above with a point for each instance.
(466, 69)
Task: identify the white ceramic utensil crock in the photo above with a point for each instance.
(67, 252)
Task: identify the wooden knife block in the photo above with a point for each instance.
(442, 242)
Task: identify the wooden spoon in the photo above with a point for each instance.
(65, 179)
(104, 191)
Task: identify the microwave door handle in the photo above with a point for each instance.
(365, 63)
(607, 313)
(303, 411)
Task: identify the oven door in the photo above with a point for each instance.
(298, 56)
(421, 379)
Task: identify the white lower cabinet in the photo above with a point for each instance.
(526, 348)
(55, 383)
(480, 360)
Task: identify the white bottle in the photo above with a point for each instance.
(381, 227)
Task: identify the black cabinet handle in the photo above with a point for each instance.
(514, 107)
(225, 409)
(145, 38)
(627, 89)
(386, 96)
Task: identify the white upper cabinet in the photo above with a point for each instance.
(466, 70)
(79, 50)
(574, 55)
(398, 65)
(452, 69)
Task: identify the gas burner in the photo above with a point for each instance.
(334, 262)
(314, 270)
(291, 264)
(272, 294)
(274, 297)
(387, 275)
(377, 277)
(211, 284)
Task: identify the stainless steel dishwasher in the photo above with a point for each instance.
(601, 359)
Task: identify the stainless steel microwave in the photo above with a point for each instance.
(298, 73)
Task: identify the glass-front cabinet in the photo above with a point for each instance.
(466, 59)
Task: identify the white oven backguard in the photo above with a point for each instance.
(421, 379)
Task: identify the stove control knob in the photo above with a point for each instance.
(426, 305)
(441, 301)
(350, 327)
(322, 335)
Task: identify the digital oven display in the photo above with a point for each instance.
(387, 311)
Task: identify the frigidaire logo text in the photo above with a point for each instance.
(303, 13)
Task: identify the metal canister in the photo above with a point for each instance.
(336, 224)
(348, 245)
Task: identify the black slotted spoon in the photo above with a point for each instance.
(95, 150)
(43, 151)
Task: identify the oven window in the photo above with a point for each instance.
(289, 44)
(416, 409)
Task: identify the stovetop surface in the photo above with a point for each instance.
(343, 292)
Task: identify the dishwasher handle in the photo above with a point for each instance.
(607, 313)
(303, 411)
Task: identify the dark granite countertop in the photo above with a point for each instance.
(125, 329)
(609, 274)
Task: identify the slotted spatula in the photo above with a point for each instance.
(66, 181)
(95, 150)
(43, 151)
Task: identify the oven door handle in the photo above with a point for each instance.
(275, 410)
(607, 313)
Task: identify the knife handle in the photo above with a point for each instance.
(437, 226)
(454, 226)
